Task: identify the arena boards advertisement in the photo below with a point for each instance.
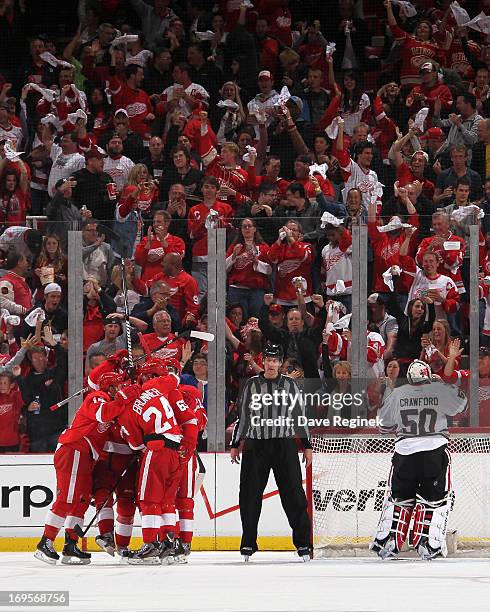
(27, 486)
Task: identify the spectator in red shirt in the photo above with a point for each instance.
(248, 269)
(14, 196)
(302, 174)
(11, 404)
(156, 244)
(429, 91)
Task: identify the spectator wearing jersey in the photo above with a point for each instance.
(427, 282)
(356, 172)
(272, 168)
(447, 179)
(14, 196)
(266, 98)
(232, 178)
(91, 186)
(66, 157)
(117, 165)
(386, 325)
(183, 288)
(184, 95)
(180, 171)
(128, 95)
(248, 269)
(302, 176)
(138, 196)
(162, 334)
(463, 128)
(337, 264)
(11, 404)
(292, 258)
(386, 242)
(156, 244)
(15, 294)
(408, 173)
(430, 92)
(297, 206)
(416, 49)
(210, 212)
(449, 261)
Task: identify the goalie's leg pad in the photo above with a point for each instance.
(428, 535)
(392, 527)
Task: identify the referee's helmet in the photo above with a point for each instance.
(273, 350)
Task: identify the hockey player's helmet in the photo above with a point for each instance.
(110, 379)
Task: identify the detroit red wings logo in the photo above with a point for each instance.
(103, 427)
(242, 261)
(287, 267)
(137, 108)
(166, 352)
(4, 408)
(365, 185)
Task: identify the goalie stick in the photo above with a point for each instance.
(198, 335)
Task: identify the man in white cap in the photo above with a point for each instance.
(429, 90)
(55, 316)
(132, 142)
(266, 98)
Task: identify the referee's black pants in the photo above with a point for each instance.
(258, 458)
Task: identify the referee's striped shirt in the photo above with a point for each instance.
(270, 398)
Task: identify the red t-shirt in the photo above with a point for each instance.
(10, 408)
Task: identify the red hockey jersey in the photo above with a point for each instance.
(292, 260)
(243, 272)
(196, 224)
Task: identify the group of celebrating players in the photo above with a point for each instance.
(133, 438)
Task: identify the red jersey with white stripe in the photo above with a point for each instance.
(90, 427)
(197, 228)
(151, 413)
(386, 247)
(355, 176)
(244, 271)
(193, 398)
(414, 53)
(292, 260)
(449, 261)
(404, 176)
(151, 341)
(337, 265)
(421, 283)
(136, 103)
(151, 259)
(338, 347)
(14, 134)
(236, 178)
(183, 292)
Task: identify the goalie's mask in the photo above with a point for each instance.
(273, 350)
(419, 373)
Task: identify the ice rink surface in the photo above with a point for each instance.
(221, 581)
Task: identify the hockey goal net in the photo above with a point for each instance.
(348, 482)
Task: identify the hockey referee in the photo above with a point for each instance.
(269, 406)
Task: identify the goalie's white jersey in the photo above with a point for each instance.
(418, 414)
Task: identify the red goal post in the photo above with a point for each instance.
(348, 480)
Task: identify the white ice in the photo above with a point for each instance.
(221, 581)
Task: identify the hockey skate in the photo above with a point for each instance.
(385, 549)
(106, 543)
(122, 553)
(168, 549)
(148, 554)
(72, 555)
(304, 553)
(46, 552)
(180, 554)
(246, 553)
(426, 552)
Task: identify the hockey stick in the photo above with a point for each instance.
(205, 336)
(82, 533)
(129, 344)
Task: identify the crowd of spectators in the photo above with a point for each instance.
(286, 124)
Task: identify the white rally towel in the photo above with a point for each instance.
(124, 39)
(480, 23)
(407, 7)
(330, 49)
(461, 212)
(207, 35)
(80, 114)
(388, 276)
(394, 224)
(10, 153)
(459, 13)
(229, 104)
(420, 117)
(250, 150)
(50, 59)
(321, 169)
(300, 279)
(48, 94)
(31, 318)
(284, 96)
(333, 129)
(329, 219)
(343, 323)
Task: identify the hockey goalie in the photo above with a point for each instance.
(419, 414)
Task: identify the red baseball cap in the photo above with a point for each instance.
(433, 132)
(275, 309)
